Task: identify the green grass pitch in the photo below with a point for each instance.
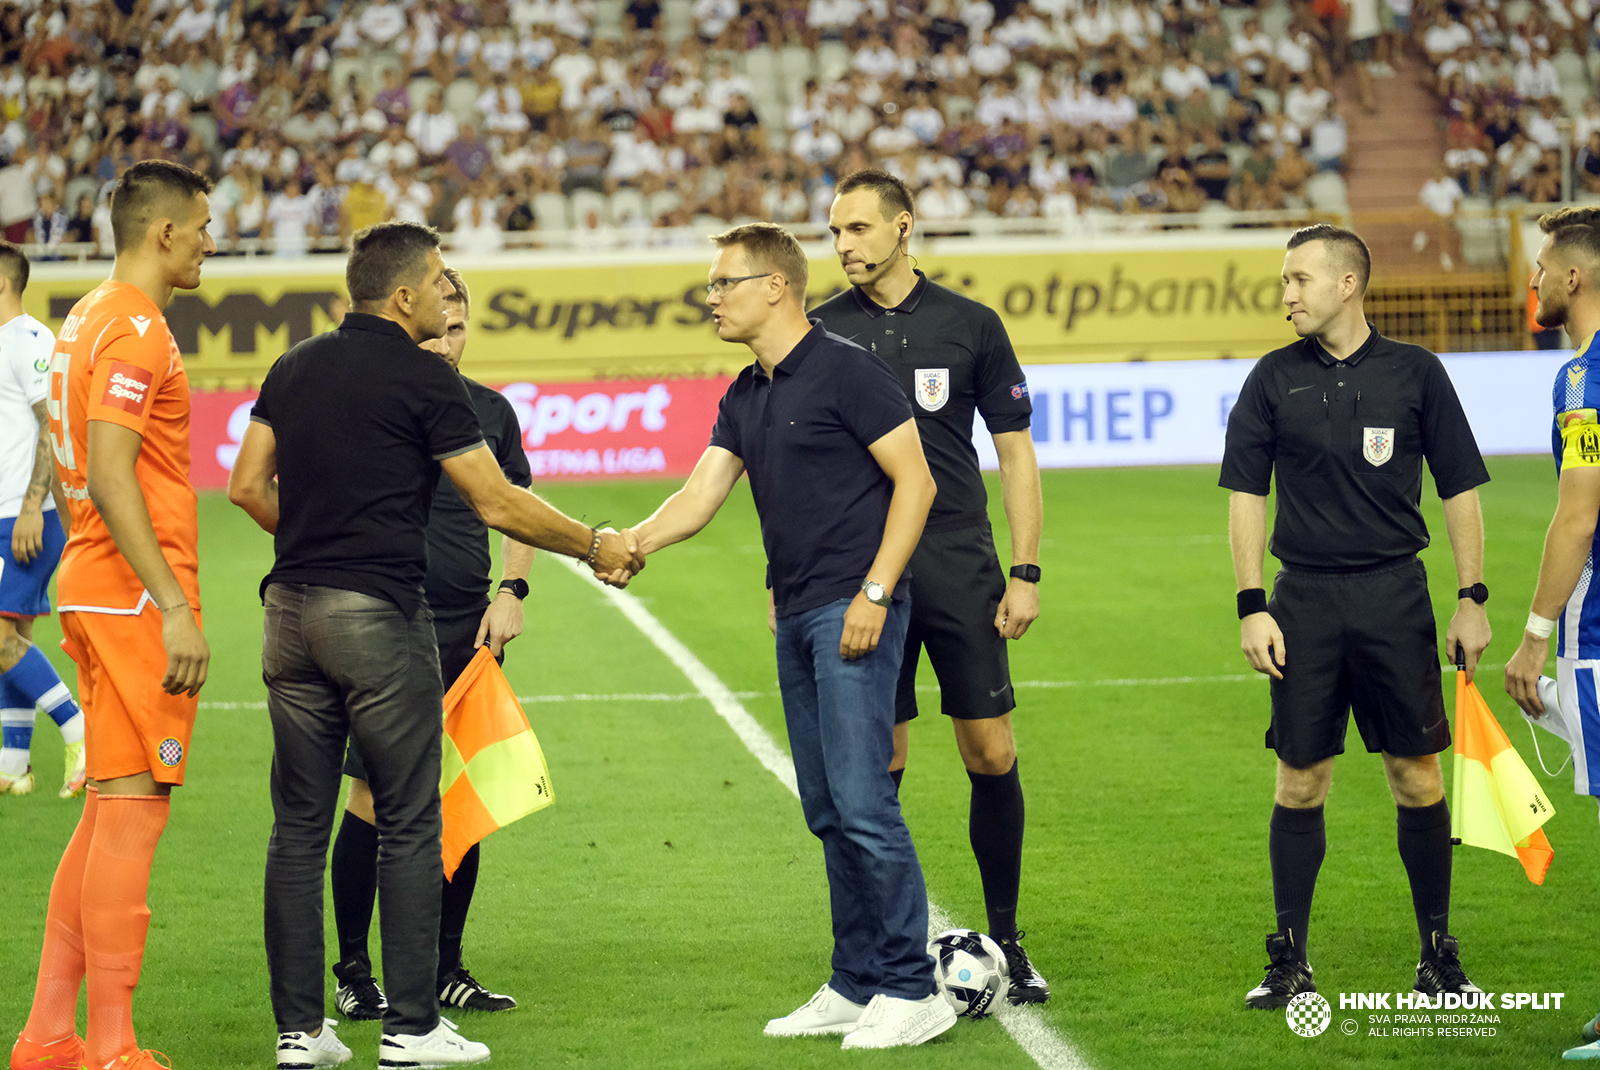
(672, 900)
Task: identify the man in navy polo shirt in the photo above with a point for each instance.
(842, 488)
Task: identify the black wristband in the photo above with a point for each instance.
(518, 588)
(1025, 573)
(1253, 600)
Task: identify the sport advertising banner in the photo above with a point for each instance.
(646, 317)
(1085, 415)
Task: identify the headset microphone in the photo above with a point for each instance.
(874, 266)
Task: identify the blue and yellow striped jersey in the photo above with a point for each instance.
(1575, 442)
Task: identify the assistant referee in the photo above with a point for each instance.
(1344, 419)
(952, 357)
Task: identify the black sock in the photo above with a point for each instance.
(453, 912)
(995, 826)
(895, 775)
(354, 877)
(1424, 836)
(1296, 843)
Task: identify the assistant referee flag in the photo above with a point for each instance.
(1499, 805)
(493, 771)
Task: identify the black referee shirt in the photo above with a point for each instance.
(1347, 440)
(458, 541)
(803, 436)
(952, 356)
(362, 417)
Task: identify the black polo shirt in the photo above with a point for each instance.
(803, 436)
(458, 540)
(362, 417)
(952, 357)
(1347, 440)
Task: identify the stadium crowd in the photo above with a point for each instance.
(1513, 86)
(317, 117)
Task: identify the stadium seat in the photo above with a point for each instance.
(628, 203)
(1268, 99)
(382, 60)
(552, 211)
(342, 68)
(1481, 241)
(796, 64)
(608, 19)
(461, 100)
(586, 201)
(677, 20)
(204, 129)
(1516, 11)
(663, 201)
(833, 60)
(1236, 154)
(1216, 216)
(1275, 18)
(418, 89)
(1220, 96)
(1328, 192)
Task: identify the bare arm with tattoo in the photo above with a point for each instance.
(27, 535)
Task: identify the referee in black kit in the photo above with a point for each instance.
(952, 357)
(464, 618)
(1346, 417)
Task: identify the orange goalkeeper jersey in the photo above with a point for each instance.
(116, 361)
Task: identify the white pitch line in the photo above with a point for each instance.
(1026, 1025)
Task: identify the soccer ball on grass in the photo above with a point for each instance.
(970, 970)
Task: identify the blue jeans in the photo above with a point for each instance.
(841, 731)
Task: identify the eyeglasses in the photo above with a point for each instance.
(720, 287)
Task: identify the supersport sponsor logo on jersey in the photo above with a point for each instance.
(127, 388)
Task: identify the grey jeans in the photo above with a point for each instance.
(341, 664)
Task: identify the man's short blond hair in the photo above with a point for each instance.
(770, 248)
(1574, 230)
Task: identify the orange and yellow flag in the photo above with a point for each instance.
(493, 771)
(1499, 805)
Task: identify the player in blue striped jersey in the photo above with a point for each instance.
(1567, 280)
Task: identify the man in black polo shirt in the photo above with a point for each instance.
(840, 483)
(464, 618)
(355, 425)
(952, 357)
(1345, 418)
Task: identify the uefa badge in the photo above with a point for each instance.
(1308, 1014)
(1377, 444)
(932, 388)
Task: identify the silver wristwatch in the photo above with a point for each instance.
(875, 593)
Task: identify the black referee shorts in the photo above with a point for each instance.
(455, 629)
(956, 587)
(1362, 642)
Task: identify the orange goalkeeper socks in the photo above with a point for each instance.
(116, 917)
(55, 998)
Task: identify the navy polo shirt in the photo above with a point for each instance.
(803, 436)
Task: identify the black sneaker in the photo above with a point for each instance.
(1443, 973)
(1026, 984)
(1286, 978)
(358, 996)
(461, 989)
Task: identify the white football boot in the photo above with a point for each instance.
(891, 1022)
(824, 1013)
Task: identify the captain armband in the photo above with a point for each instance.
(1580, 438)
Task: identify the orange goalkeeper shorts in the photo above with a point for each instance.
(130, 723)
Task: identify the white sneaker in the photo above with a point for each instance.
(302, 1051)
(891, 1022)
(442, 1047)
(826, 1012)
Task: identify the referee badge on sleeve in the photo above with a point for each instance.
(1377, 444)
(933, 388)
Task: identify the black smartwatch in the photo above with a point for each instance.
(1025, 573)
(1477, 592)
(516, 587)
